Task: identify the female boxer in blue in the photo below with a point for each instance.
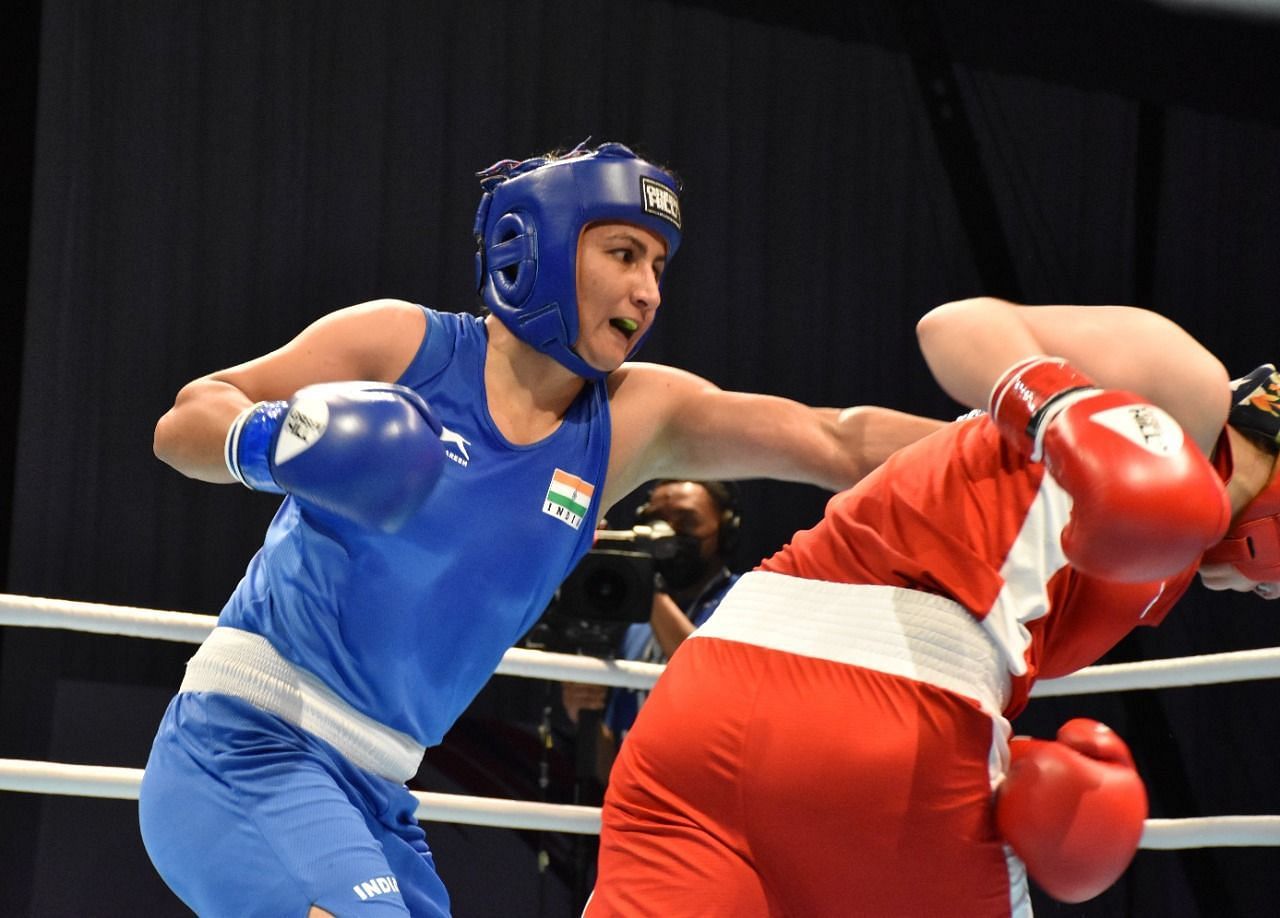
(442, 475)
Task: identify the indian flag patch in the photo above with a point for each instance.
(568, 498)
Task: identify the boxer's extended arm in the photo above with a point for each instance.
(872, 434)
(673, 424)
(371, 341)
(968, 343)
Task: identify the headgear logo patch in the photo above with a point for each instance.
(660, 201)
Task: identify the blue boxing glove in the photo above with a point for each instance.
(369, 452)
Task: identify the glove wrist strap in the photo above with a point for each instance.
(1030, 394)
(247, 449)
(1045, 414)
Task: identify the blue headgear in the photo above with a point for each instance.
(527, 228)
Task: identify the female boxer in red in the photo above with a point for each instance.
(835, 740)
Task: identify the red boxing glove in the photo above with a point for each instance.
(1073, 810)
(1145, 501)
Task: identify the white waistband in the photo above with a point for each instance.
(903, 632)
(245, 665)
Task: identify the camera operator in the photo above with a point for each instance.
(688, 587)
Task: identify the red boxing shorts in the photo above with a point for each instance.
(762, 782)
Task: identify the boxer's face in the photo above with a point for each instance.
(619, 266)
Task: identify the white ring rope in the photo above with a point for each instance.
(1206, 669)
(188, 627)
(123, 783)
(1211, 832)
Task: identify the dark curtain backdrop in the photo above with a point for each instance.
(209, 177)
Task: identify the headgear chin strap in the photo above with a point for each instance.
(1252, 545)
(530, 218)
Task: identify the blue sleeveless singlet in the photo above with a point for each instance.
(407, 628)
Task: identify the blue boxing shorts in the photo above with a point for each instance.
(244, 814)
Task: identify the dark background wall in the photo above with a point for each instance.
(188, 184)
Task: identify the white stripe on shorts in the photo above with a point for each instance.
(246, 666)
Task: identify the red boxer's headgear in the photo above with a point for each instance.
(1252, 545)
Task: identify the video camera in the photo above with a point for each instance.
(612, 587)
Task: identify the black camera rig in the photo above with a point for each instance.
(611, 588)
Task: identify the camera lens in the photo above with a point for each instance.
(605, 590)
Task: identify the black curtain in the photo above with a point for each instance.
(209, 177)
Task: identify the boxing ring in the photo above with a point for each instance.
(123, 783)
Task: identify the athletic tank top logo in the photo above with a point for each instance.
(455, 446)
(568, 498)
